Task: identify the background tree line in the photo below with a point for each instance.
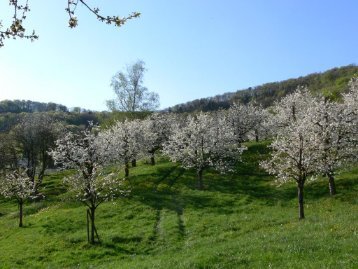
(18, 106)
(331, 82)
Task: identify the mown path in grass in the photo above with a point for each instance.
(242, 220)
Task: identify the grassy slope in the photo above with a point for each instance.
(241, 220)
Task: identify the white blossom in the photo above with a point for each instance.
(290, 108)
(334, 146)
(125, 142)
(156, 130)
(246, 121)
(87, 153)
(295, 149)
(351, 113)
(205, 141)
(18, 185)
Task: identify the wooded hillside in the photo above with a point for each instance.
(331, 82)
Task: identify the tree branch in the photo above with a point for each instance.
(116, 20)
(16, 29)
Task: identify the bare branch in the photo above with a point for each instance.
(17, 30)
(116, 20)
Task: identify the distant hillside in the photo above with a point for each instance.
(27, 106)
(331, 82)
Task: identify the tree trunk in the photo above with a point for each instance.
(31, 166)
(332, 185)
(301, 214)
(39, 180)
(88, 231)
(31, 171)
(256, 135)
(92, 217)
(200, 184)
(126, 169)
(20, 213)
(42, 171)
(152, 159)
(134, 163)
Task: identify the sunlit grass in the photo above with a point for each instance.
(242, 220)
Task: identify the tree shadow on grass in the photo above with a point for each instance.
(346, 189)
(173, 188)
(158, 192)
(52, 186)
(250, 179)
(116, 248)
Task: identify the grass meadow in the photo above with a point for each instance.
(240, 220)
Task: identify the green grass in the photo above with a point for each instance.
(242, 220)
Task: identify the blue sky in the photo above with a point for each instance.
(192, 48)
